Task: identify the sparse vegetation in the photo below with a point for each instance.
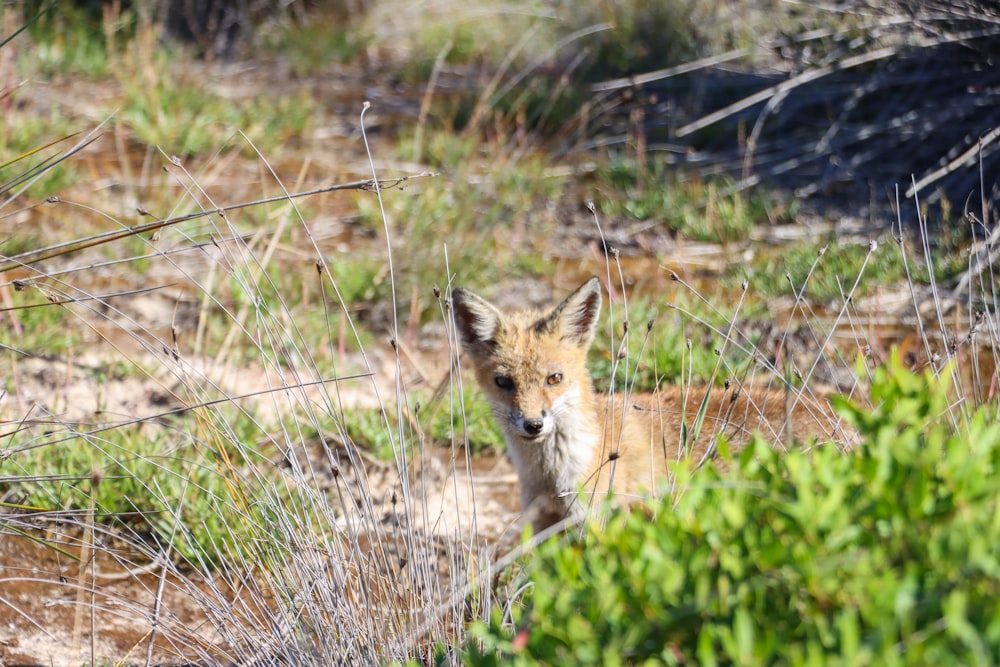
(488, 198)
(835, 268)
(39, 326)
(828, 271)
(154, 483)
(664, 348)
(259, 401)
(67, 42)
(317, 46)
(713, 212)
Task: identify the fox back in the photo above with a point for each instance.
(562, 436)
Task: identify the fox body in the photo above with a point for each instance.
(562, 436)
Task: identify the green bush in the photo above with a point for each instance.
(884, 556)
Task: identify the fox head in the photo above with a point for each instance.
(531, 365)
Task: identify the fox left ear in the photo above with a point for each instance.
(576, 317)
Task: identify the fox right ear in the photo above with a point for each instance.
(576, 318)
(477, 321)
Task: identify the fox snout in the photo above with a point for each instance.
(532, 427)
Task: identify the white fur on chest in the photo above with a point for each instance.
(552, 468)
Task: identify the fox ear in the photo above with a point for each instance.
(576, 317)
(477, 321)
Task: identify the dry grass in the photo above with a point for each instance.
(181, 382)
(202, 418)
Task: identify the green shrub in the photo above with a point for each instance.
(885, 556)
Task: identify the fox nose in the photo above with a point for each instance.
(533, 426)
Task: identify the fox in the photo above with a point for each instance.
(562, 436)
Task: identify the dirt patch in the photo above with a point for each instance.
(54, 612)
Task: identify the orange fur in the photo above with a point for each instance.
(562, 436)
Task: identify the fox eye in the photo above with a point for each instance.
(504, 382)
(553, 379)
